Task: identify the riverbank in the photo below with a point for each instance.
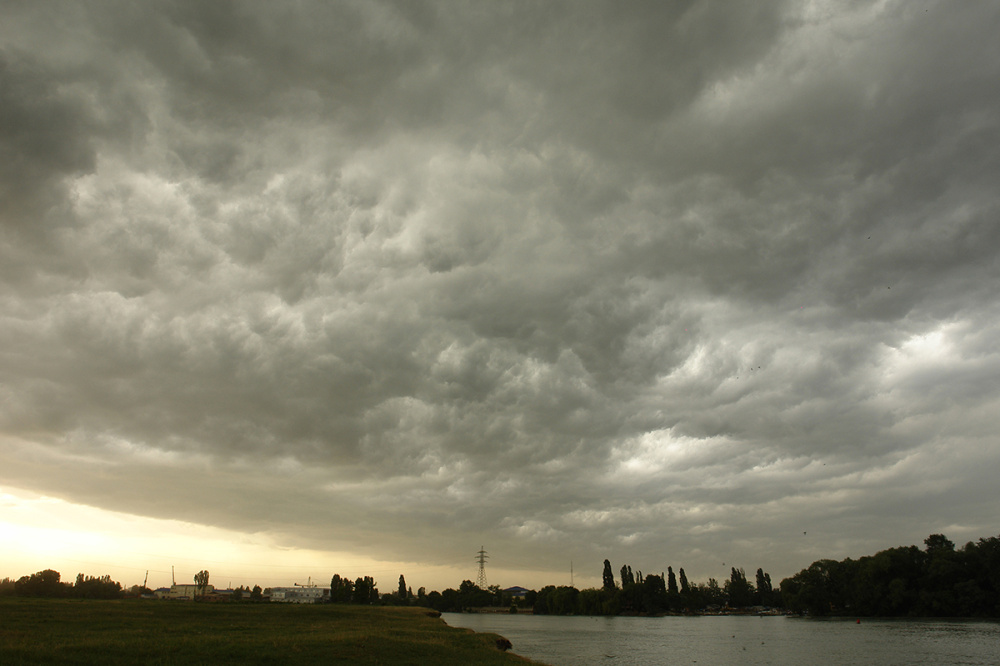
(39, 631)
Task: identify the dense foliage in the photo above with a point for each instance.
(361, 591)
(47, 583)
(651, 594)
(938, 581)
(468, 595)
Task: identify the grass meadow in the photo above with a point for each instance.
(57, 631)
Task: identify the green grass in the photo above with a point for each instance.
(40, 631)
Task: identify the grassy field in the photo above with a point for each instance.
(36, 631)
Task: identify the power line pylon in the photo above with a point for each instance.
(481, 557)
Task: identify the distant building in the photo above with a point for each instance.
(516, 592)
(217, 595)
(300, 594)
(183, 591)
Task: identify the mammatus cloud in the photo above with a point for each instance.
(663, 285)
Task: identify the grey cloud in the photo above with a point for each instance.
(637, 282)
(45, 134)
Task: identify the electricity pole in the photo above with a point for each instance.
(481, 557)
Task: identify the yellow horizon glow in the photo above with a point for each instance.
(40, 532)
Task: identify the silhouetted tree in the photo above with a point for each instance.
(671, 581)
(938, 543)
(435, 600)
(365, 591)
(739, 592)
(764, 595)
(341, 590)
(402, 587)
(552, 600)
(449, 600)
(653, 598)
(201, 580)
(360, 595)
(89, 587)
(814, 590)
(685, 588)
(471, 595)
(711, 593)
(41, 584)
(609, 578)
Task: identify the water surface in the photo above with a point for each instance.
(744, 640)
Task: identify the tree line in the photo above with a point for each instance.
(364, 591)
(48, 583)
(636, 593)
(666, 592)
(360, 591)
(938, 581)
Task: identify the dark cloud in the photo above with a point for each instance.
(658, 284)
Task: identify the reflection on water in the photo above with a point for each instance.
(573, 641)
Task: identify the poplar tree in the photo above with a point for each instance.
(362, 592)
(671, 581)
(764, 589)
(201, 580)
(738, 590)
(609, 577)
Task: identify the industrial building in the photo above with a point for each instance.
(300, 594)
(183, 591)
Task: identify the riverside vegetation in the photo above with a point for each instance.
(939, 580)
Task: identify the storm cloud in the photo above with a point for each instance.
(668, 283)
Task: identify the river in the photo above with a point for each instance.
(743, 640)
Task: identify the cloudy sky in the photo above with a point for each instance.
(296, 288)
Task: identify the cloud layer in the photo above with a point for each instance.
(666, 285)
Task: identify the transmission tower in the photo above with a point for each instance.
(481, 557)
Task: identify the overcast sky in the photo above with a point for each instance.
(688, 284)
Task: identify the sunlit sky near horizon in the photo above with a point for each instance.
(296, 289)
